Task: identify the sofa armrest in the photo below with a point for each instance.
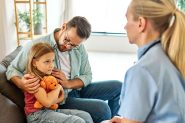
(9, 112)
(11, 97)
(10, 90)
(7, 88)
(9, 58)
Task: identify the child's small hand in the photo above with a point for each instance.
(61, 96)
(59, 86)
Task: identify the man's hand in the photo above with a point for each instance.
(69, 84)
(30, 83)
(61, 78)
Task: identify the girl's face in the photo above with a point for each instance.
(45, 63)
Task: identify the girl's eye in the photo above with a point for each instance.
(46, 62)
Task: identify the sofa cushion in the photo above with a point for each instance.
(7, 88)
(10, 113)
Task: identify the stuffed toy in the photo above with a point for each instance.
(48, 83)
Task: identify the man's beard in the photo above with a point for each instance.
(63, 48)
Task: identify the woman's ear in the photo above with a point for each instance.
(142, 24)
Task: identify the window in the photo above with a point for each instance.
(107, 16)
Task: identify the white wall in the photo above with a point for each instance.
(8, 39)
(55, 10)
(7, 28)
(107, 43)
(2, 38)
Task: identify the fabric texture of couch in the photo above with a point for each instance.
(11, 97)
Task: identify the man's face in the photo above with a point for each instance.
(68, 40)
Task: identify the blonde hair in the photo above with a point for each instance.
(37, 50)
(170, 22)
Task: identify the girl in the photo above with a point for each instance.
(40, 64)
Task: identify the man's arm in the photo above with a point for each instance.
(81, 74)
(16, 69)
(17, 81)
(85, 73)
(30, 85)
(80, 69)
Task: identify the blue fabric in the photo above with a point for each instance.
(90, 99)
(59, 116)
(153, 90)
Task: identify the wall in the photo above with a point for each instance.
(8, 38)
(2, 38)
(55, 13)
(7, 28)
(108, 43)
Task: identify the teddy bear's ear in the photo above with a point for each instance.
(43, 84)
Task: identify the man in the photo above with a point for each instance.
(73, 72)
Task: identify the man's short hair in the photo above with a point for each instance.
(82, 25)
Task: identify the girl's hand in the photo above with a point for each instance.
(61, 96)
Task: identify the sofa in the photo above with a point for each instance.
(11, 97)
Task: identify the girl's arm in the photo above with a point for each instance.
(47, 99)
(61, 96)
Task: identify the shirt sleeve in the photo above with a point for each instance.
(85, 73)
(18, 65)
(138, 94)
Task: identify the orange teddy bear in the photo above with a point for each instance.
(48, 83)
